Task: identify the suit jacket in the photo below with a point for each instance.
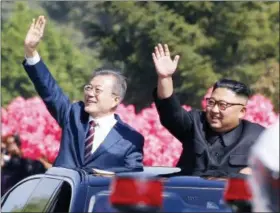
(122, 149)
(199, 157)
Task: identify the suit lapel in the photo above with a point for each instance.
(83, 130)
(112, 138)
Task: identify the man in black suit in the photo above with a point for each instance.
(216, 142)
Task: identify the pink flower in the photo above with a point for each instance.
(207, 95)
(40, 134)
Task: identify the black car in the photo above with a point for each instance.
(65, 190)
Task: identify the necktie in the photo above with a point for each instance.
(89, 139)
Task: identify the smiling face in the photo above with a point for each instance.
(224, 119)
(99, 96)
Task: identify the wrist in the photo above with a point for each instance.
(30, 53)
(168, 77)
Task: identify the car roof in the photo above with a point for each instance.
(79, 175)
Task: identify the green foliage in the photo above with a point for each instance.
(70, 67)
(245, 35)
(128, 42)
(236, 40)
(268, 83)
(215, 40)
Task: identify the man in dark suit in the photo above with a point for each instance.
(93, 136)
(216, 142)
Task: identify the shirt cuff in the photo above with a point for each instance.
(33, 60)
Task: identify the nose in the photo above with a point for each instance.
(90, 93)
(215, 108)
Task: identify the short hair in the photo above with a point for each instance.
(120, 85)
(237, 87)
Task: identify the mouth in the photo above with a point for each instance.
(89, 102)
(214, 118)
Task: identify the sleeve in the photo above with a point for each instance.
(134, 157)
(56, 101)
(33, 60)
(173, 116)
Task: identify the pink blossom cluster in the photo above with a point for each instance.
(160, 147)
(40, 133)
(260, 110)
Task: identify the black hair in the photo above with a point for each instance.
(237, 87)
(17, 140)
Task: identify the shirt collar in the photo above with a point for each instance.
(233, 135)
(227, 138)
(103, 121)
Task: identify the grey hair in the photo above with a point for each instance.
(120, 85)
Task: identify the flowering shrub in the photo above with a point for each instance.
(40, 134)
(160, 148)
(260, 110)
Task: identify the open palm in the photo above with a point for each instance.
(164, 65)
(35, 33)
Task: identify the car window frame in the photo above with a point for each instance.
(53, 201)
(50, 200)
(4, 198)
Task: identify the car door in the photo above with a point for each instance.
(15, 199)
(50, 195)
(43, 194)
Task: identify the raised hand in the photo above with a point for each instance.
(164, 65)
(34, 35)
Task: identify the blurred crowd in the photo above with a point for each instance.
(15, 167)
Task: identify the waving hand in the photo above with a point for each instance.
(164, 65)
(34, 35)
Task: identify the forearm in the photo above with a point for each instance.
(46, 86)
(165, 87)
(41, 78)
(172, 115)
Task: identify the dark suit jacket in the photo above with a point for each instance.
(122, 149)
(198, 156)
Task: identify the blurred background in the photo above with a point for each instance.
(238, 40)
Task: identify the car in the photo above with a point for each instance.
(74, 190)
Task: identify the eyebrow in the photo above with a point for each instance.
(94, 85)
(218, 100)
(229, 102)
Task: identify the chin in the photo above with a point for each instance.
(215, 126)
(89, 109)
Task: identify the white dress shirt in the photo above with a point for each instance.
(33, 60)
(103, 127)
(104, 124)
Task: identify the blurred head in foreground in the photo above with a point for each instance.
(264, 181)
